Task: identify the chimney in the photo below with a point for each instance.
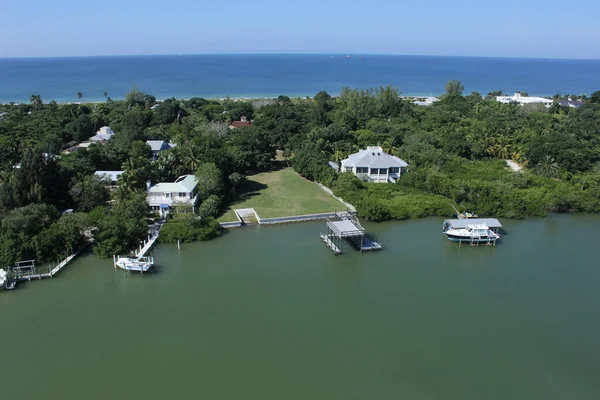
(243, 119)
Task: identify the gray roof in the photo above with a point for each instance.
(334, 165)
(375, 157)
(183, 184)
(463, 223)
(112, 175)
(158, 145)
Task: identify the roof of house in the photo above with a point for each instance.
(158, 145)
(571, 103)
(112, 175)
(104, 133)
(183, 184)
(374, 157)
(240, 124)
(518, 98)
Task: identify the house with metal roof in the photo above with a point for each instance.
(518, 98)
(166, 196)
(375, 165)
(157, 146)
(103, 135)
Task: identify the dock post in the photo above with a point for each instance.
(178, 246)
(115, 260)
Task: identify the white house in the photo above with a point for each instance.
(375, 164)
(166, 196)
(103, 135)
(522, 100)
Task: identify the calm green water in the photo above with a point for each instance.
(270, 313)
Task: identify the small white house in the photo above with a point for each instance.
(375, 164)
(165, 196)
(103, 135)
(522, 100)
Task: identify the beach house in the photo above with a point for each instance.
(167, 196)
(517, 98)
(375, 165)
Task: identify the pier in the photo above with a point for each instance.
(346, 227)
(139, 261)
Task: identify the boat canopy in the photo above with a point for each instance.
(463, 223)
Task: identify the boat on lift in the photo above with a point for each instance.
(472, 233)
(138, 264)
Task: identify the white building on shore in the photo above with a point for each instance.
(522, 100)
(374, 164)
(166, 196)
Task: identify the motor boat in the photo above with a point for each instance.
(140, 264)
(473, 233)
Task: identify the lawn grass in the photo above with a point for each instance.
(281, 193)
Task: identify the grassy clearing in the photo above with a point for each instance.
(282, 193)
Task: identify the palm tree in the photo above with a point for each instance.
(96, 115)
(548, 167)
(190, 156)
(105, 94)
(79, 95)
(390, 146)
(36, 101)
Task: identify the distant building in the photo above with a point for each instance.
(517, 98)
(103, 135)
(374, 164)
(425, 101)
(157, 146)
(167, 196)
(243, 122)
(112, 176)
(571, 103)
(2, 114)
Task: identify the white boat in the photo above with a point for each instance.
(472, 233)
(2, 277)
(139, 264)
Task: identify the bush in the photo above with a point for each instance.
(186, 231)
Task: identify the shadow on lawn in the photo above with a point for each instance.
(247, 190)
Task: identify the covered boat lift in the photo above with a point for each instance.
(346, 226)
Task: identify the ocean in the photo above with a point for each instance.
(269, 75)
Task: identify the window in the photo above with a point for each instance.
(181, 194)
(348, 169)
(383, 171)
(167, 195)
(362, 170)
(374, 171)
(394, 170)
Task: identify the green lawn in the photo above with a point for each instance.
(280, 194)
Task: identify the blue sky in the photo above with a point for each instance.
(525, 28)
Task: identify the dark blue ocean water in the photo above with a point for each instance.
(214, 76)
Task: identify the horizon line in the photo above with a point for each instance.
(300, 53)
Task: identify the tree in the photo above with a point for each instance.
(136, 97)
(209, 180)
(595, 97)
(105, 94)
(36, 101)
(235, 179)
(548, 167)
(79, 95)
(454, 87)
(210, 207)
(90, 192)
